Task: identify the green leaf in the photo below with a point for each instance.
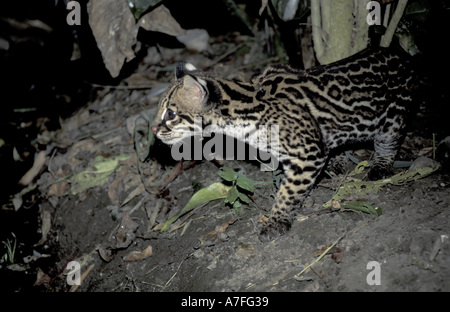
(363, 207)
(361, 188)
(245, 183)
(232, 195)
(228, 174)
(244, 198)
(203, 196)
(361, 167)
(237, 205)
(104, 167)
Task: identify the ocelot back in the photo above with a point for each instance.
(363, 97)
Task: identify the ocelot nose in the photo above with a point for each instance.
(154, 129)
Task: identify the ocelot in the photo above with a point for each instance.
(363, 97)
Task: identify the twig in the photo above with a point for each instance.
(62, 269)
(168, 282)
(50, 162)
(83, 276)
(321, 256)
(387, 37)
(354, 230)
(316, 22)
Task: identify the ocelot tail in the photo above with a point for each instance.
(360, 98)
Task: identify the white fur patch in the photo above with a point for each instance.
(190, 67)
(162, 115)
(203, 82)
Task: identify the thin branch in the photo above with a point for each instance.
(317, 29)
(387, 37)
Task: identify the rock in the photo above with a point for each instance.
(423, 162)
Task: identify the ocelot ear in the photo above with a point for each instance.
(184, 68)
(196, 91)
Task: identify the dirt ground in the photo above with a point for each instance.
(402, 240)
(415, 218)
(112, 228)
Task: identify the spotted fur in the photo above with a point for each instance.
(362, 98)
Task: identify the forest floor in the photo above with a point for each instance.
(112, 228)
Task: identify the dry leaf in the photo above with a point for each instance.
(116, 187)
(115, 29)
(113, 26)
(126, 176)
(46, 225)
(245, 250)
(218, 235)
(138, 255)
(35, 169)
(58, 189)
(125, 233)
(153, 208)
(336, 253)
(161, 20)
(41, 278)
(106, 253)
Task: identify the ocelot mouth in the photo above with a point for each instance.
(169, 137)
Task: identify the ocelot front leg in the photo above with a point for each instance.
(385, 150)
(300, 176)
(387, 142)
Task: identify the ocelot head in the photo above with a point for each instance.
(182, 102)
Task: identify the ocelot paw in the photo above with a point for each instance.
(272, 229)
(379, 172)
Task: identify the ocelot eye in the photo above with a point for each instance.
(170, 115)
